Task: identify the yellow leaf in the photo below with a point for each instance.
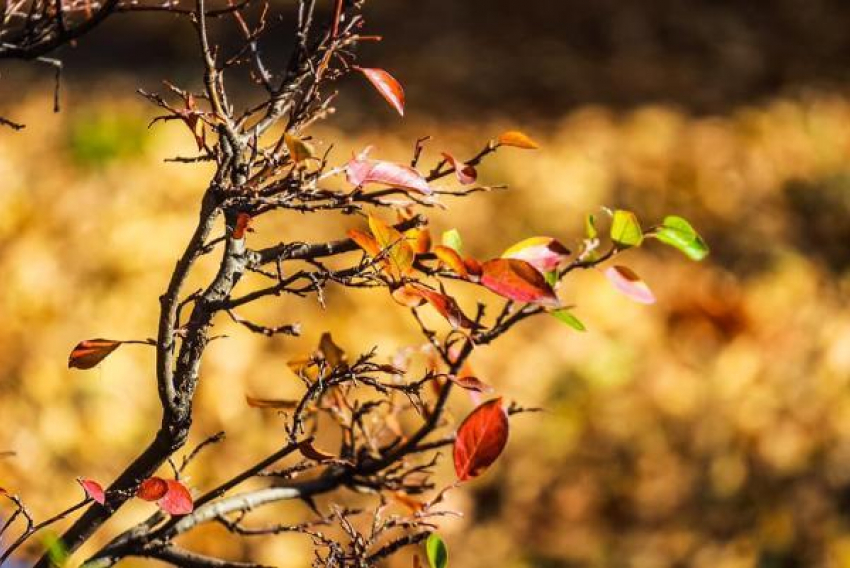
(517, 139)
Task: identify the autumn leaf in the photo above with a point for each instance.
(420, 240)
(309, 451)
(274, 403)
(387, 86)
(630, 284)
(93, 490)
(399, 250)
(408, 296)
(465, 173)
(517, 280)
(543, 253)
(480, 439)
(413, 504)
(360, 172)
(332, 353)
(365, 242)
(452, 260)
(243, 221)
(152, 489)
(625, 229)
(90, 352)
(470, 383)
(517, 139)
(177, 499)
(299, 150)
(447, 307)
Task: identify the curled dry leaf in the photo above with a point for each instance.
(152, 489)
(465, 173)
(177, 499)
(299, 150)
(470, 383)
(387, 86)
(517, 280)
(361, 171)
(90, 352)
(626, 281)
(309, 451)
(480, 439)
(517, 139)
(243, 222)
(276, 403)
(93, 490)
(543, 253)
(452, 260)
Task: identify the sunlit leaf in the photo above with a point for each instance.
(465, 173)
(568, 318)
(400, 252)
(93, 489)
(387, 86)
(678, 233)
(517, 139)
(630, 284)
(419, 239)
(438, 554)
(275, 403)
(332, 353)
(299, 150)
(451, 239)
(447, 306)
(365, 242)
(590, 226)
(625, 229)
(361, 171)
(177, 499)
(408, 296)
(480, 439)
(90, 352)
(451, 259)
(152, 489)
(543, 253)
(517, 280)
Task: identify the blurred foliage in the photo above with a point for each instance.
(709, 430)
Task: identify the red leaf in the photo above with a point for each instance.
(543, 253)
(309, 451)
(630, 284)
(517, 280)
(465, 173)
(387, 86)
(152, 489)
(447, 306)
(360, 171)
(243, 221)
(480, 439)
(93, 489)
(90, 352)
(177, 499)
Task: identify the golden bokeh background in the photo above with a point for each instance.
(709, 430)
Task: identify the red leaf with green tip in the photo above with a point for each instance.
(480, 439)
(517, 280)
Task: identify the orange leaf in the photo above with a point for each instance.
(399, 250)
(299, 150)
(450, 258)
(90, 352)
(364, 241)
(243, 221)
(448, 308)
(517, 139)
(254, 402)
(465, 173)
(152, 489)
(387, 86)
(517, 280)
(408, 296)
(480, 439)
(420, 240)
(333, 353)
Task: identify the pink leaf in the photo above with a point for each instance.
(361, 171)
(543, 253)
(177, 500)
(465, 173)
(630, 284)
(93, 489)
(387, 86)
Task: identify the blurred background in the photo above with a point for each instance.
(711, 430)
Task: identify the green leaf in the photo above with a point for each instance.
(679, 234)
(451, 239)
(551, 277)
(56, 550)
(438, 554)
(568, 318)
(625, 229)
(590, 226)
